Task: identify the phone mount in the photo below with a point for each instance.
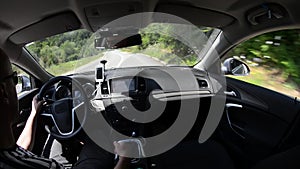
(99, 72)
(100, 78)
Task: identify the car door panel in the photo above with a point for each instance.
(258, 121)
(276, 103)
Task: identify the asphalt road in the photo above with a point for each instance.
(117, 59)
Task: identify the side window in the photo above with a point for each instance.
(24, 83)
(274, 61)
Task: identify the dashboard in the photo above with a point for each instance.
(140, 87)
(173, 81)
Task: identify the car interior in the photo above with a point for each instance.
(255, 128)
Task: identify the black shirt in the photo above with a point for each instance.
(17, 157)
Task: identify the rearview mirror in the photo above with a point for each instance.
(115, 42)
(232, 66)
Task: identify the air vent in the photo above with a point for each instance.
(202, 83)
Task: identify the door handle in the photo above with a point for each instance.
(231, 125)
(231, 93)
(228, 105)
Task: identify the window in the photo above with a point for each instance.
(76, 51)
(274, 61)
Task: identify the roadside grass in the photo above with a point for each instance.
(152, 51)
(270, 79)
(164, 54)
(63, 68)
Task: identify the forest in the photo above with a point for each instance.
(63, 48)
(280, 49)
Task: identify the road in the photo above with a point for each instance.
(117, 59)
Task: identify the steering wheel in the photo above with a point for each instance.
(63, 111)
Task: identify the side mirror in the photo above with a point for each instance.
(232, 66)
(24, 84)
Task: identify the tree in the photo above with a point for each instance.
(280, 49)
(60, 48)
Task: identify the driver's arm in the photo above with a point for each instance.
(28, 133)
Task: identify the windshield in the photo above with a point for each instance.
(75, 52)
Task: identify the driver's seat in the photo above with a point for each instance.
(65, 155)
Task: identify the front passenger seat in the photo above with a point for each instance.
(289, 159)
(192, 155)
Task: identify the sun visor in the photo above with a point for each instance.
(101, 14)
(197, 16)
(47, 27)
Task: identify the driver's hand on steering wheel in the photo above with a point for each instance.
(36, 105)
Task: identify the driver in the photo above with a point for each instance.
(14, 155)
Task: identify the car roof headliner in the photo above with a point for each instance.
(20, 20)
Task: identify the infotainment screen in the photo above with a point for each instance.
(123, 85)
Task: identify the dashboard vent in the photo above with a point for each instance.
(202, 83)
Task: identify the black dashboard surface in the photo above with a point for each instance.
(161, 82)
(142, 86)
